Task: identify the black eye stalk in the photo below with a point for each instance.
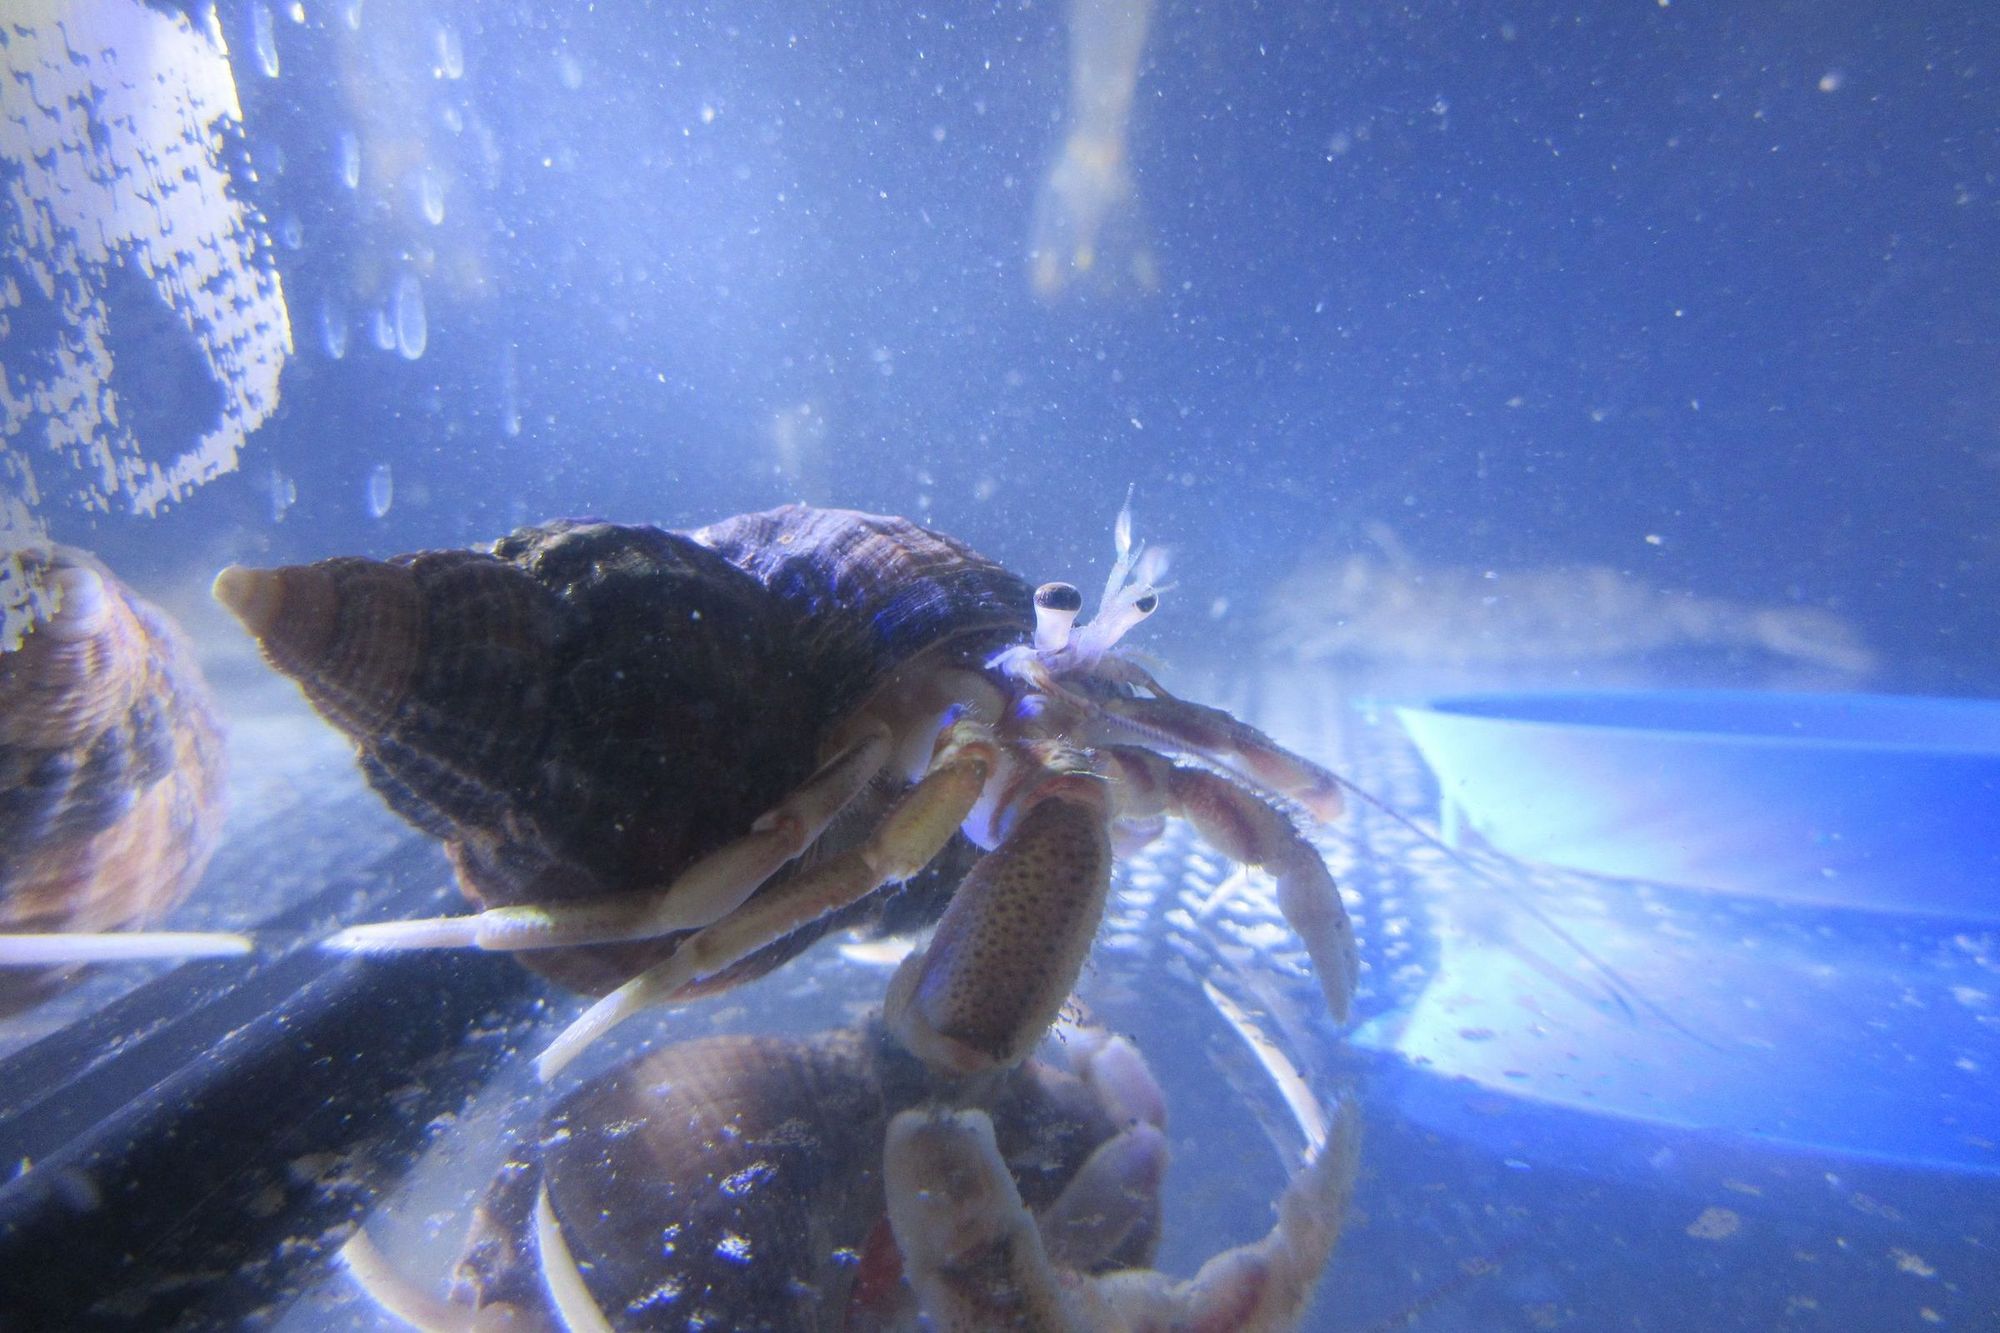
(1131, 593)
(1056, 608)
(1059, 597)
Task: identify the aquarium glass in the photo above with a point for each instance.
(1325, 664)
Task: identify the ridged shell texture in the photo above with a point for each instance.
(588, 707)
(758, 1162)
(111, 765)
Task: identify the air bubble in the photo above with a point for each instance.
(347, 151)
(333, 328)
(284, 494)
(381, 490)
(412, 332)
(510, 393)
(264, 39)
(428, 192)
(450, 53)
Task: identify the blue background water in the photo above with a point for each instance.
(1708, 294)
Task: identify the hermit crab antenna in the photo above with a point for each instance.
(1130, 593)
(1121, 536)
(1056, 607)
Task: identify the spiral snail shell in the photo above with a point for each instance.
(586, 708)
(111, 766)
(739, 1180)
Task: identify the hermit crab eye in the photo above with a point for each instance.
(1056, 605)
(1058, 597)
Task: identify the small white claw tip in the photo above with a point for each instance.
(590, 1025)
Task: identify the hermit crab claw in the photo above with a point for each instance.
(977, 1258)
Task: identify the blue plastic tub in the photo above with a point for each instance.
(1850, 800)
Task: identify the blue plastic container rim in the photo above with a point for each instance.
(1749, 717)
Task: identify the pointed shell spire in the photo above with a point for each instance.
(347, 630)
(578, 712)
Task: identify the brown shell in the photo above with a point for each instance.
(588, 708)
(111, 765)
(741, 1178)
(871, 592)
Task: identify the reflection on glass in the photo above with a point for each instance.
(111, 764)
(1086, 225)
(135, 299)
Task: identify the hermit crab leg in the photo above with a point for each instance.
(1261, 1287)
(561, 1277)
(1216, 736)
(977, 1259)
(908, 838)
(1244, 828)
(969, 1247)
(119, 946)
(707, 891)
(1115, 1193)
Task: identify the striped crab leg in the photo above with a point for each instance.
(706, 891)
(1192, 728)
(1247, 829)
(903, 843)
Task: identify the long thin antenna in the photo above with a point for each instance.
(1617, 987)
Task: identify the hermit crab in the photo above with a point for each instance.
(111, 780)
(664, 762)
